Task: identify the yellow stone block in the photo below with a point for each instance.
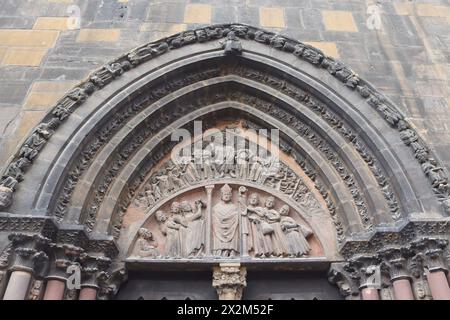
(404, 8)
(52, 86)
(429, 10)
(28, 38)
(98, 35)
(271, 17)
(51, 23)
(329, 48)
(42, 100)
(197, 13)
(24, 56)
(2, 54)
(29, 120)
(339, 21)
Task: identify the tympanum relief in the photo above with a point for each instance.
(225, 221)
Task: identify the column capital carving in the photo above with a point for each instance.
(431, 252)
(229, 279)
(348, 285)
(93, 269)
(110, 283)
(365, 268)
(28, 249)
(62, 256)
(395, 262)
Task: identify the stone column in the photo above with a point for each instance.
(366, 268)
(430, 250)
(229, 279)
(54, 289)
(208, 220)
(64, 255)
(93, 269)
(27, 256)
(18, 285)
(395, 262)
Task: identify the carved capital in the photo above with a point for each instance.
(63, 255)
(431, 252)
(395, 262)
(93, 269)
(347, 284)
(110, 284)
(28, 251)
(229, 279)
(365, 268)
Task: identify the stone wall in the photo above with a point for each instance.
(43, 52)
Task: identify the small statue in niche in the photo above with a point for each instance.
(195, 230)
(146, 245)
(232, 44)
(296, 234)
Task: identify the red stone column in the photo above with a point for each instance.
(402, 289)
(370, 294)
(18, 285)
(438, 284)
(88, 293)
(55, 289)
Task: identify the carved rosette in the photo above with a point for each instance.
(229, 279)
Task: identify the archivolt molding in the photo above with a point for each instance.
(379, 170)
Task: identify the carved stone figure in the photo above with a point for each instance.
(195, 231)
(273, 218)
(225, 215)
(172, 228)
(6, 196)
(261, 244)
(146, 245)
(232, 44)
(295, 234)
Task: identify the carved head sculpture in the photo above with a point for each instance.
(175, 207)
(253, 199)
(284, 210)
(160, 216)
(226, 193)
(5, 196)
(185, 207)
(270, 202)
(145, 234)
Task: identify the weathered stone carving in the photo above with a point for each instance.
(232, 45)
(238, 228)
(146, 245)
(36, 290)
(229, 279)
(225, 225)
(310, 54)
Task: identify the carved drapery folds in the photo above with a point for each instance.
(239, 224)
(229, 279)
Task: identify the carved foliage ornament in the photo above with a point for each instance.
(30, 149)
